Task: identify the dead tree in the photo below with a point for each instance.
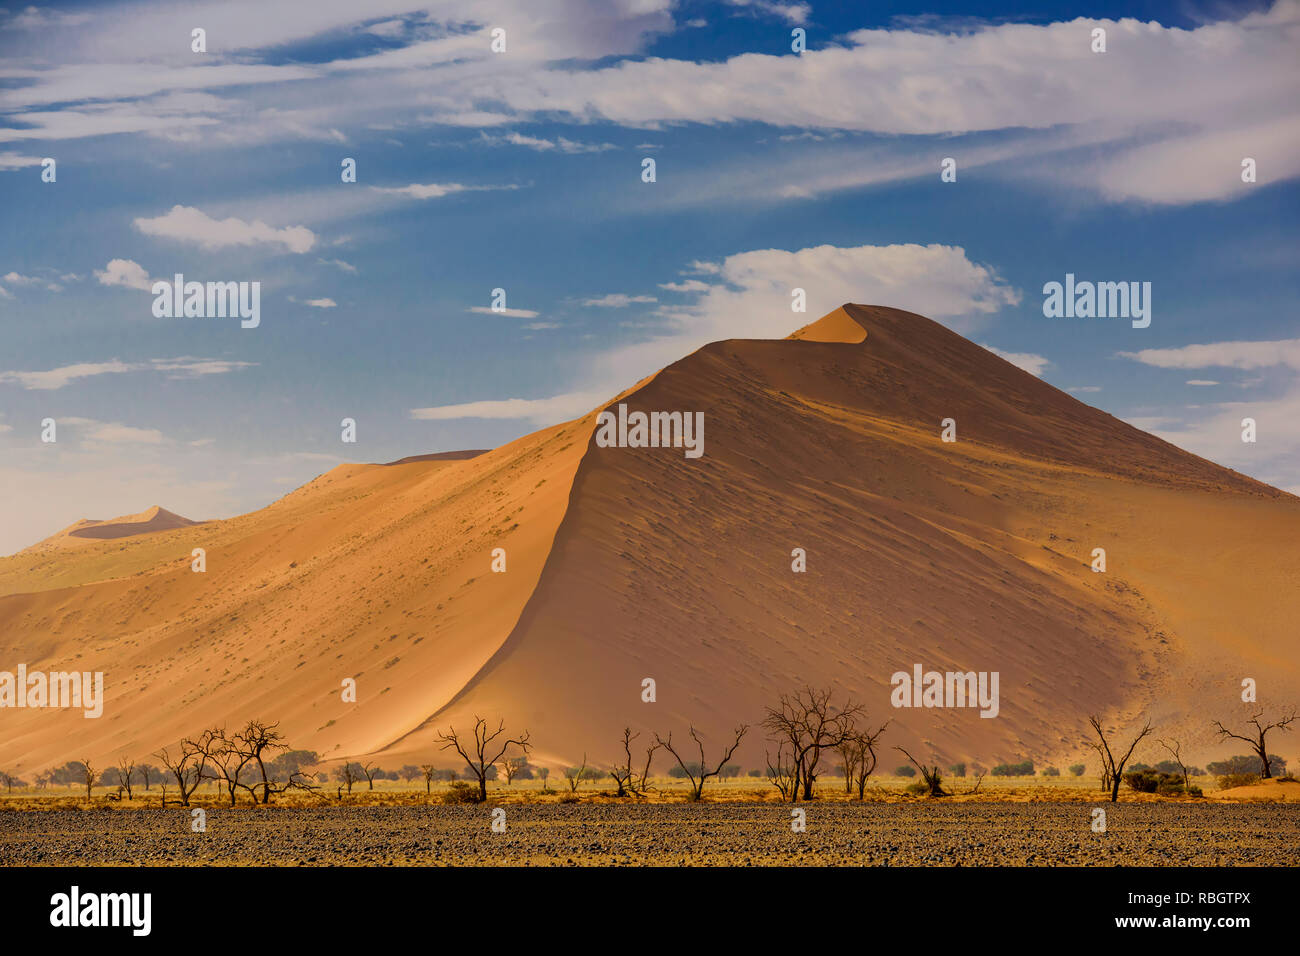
(623, 772)
(190, 766)
(573, 775)
(859, 754)
(810, 724)
(1257, 743)
(933, 779)
(90, 776)
(230, 763)
(1174, 748)
(253, 745)
(1112, 767)
(476, 755)
(642, 784)
(978, 780)
(428, 770)
(697, 783)
(782, 775)
(370, 769)
(125, 768)
(348, 775)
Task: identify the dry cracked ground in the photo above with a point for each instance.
(911, 834)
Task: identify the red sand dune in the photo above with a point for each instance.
(631, 563)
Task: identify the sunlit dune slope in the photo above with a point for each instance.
(374, 572)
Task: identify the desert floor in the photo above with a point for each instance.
(1032, 824)
(883, 834)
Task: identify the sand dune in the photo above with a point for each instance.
(627, 563)
(86, 530)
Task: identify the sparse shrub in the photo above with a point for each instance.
(958, 769)
(1155, 781)
(920, 787)
(1023, 769)
(906, 770)
(1245, 764)
(1051, 772)
(569, 797)
(1229, 780)
(461, 791)
(756, 772)
(1077, 769)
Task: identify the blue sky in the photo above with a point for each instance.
(522, 170)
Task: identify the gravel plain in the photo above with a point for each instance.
(836, 834)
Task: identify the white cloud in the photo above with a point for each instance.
(749, 297)
(1204, 383)
(338, 264)
(1085, 388)
(117, 433)
(1031, 363)
(1214, 430)
(434, 190)
(124, 272)
(56, 378)
(560, 143)
(512, 313)
(1242, 355)
(321, 303)
(618, 300)
(690, 285)
(538, 410)
(10, 160)
(793, 13)
(187, 224)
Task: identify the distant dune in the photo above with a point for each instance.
(627, 563)
(89, 529)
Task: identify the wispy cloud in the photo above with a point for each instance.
(184, 367)
(187, 224)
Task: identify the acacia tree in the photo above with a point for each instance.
(428, 770)
(782, 774)
(697, 783)
(476, 755)
(409, 772)
(573, 775)
(810, 724)
(89, 772)
(625, 775)
(229, 762)
(511, 767)
(348, 774)
(859, 753)
(1257, 742)
(1174, 748)
(190, 766)
(125, 768)
(1112, 767)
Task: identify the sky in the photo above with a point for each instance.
(522, 169)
